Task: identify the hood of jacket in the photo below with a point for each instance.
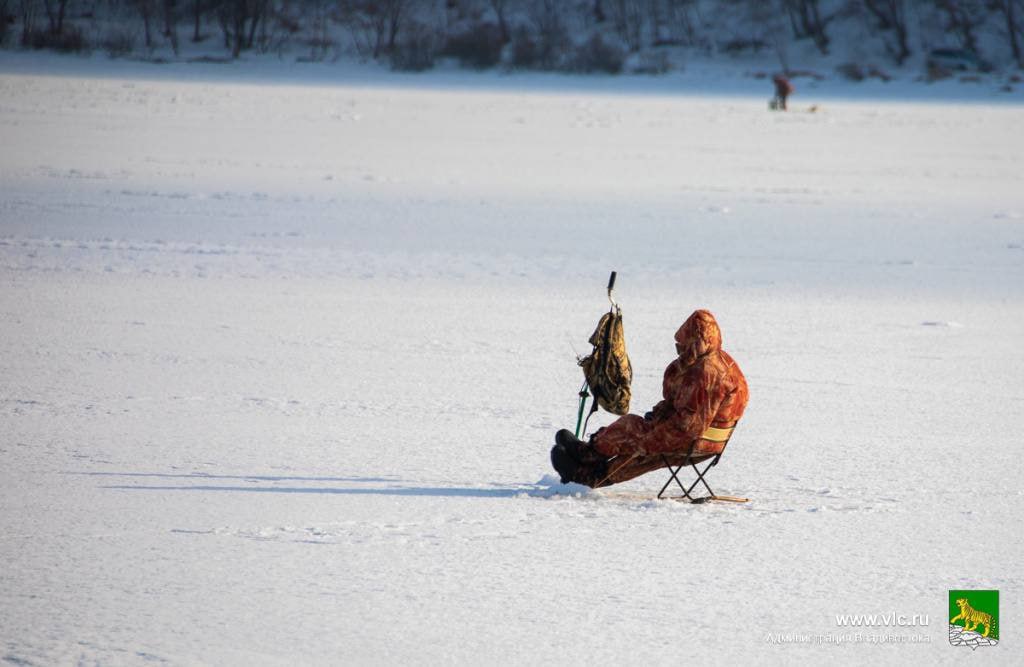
(698, 337)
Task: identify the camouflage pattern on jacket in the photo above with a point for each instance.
(703, 387)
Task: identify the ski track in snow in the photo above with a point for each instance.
(281, 366)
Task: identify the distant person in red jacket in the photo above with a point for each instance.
(703, 388)
(783, 89)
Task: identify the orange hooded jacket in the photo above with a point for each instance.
(703, 387)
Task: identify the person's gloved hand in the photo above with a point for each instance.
(659, 411)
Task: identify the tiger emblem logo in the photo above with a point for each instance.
(972, 618)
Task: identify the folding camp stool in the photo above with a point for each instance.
(712, 434)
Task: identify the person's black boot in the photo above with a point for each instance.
(571, 444)
(578, 461)
(563, 464)
(595, 475)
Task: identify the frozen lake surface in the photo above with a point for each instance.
(280, 366)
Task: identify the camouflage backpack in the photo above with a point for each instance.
(607, 368)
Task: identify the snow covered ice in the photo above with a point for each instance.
(281, 363)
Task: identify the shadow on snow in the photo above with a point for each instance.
(360, 491)
(547, 487)
(255, 478)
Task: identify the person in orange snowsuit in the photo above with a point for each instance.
(702, 388)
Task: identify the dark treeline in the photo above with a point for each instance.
(578, 35)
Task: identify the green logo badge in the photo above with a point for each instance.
(973, 618)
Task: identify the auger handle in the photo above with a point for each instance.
(611, 286)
